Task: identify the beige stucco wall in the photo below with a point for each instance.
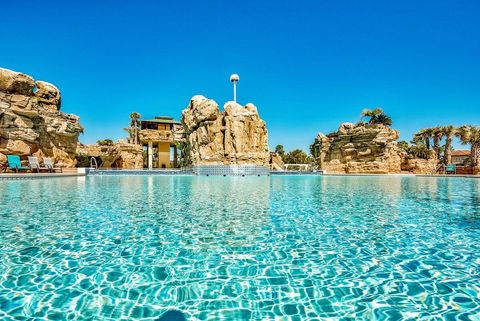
(164, 155)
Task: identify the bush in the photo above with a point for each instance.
(105, 142)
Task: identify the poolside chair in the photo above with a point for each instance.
(35, 165)
(49, 164)
(15, 165)
(452, 169)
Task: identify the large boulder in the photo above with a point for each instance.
(48, 94)
(198, 111)
(360, 148)
(419, 165)
(13, 82)
(235, 136)
(31, 123)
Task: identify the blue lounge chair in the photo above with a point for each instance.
(452, 169)
(14, 163)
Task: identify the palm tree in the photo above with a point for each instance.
(469, 134)
(419, 151)
(437, 136)
(383, 119)
(134, 128)
(370, 113)
(105, 142)
(423, 135)
(279, 150)
(376, 116)
(448, 131)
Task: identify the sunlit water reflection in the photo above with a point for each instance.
(240, 248)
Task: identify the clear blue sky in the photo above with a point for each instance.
(307, 65)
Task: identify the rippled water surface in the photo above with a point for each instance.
(241, 248)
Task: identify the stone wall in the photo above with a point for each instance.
(31, 122)
(361, 148)
(419, 165)
(235, 136)
(119, 155)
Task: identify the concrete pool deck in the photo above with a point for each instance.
(67, 172)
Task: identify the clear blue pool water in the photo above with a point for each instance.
(241, 248)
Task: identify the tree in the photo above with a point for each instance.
(469, 134)
(134, 128)
(297, 156)
(315, 149)
(419, 151)
(403, 145)
(423, 135)
(437, 136)
(280, 151)
(383, 119)
(105, 142)
(449, 132)
(370, 113)
(416, 150)
(184, 159)
(377, 116)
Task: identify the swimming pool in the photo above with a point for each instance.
(240, 248)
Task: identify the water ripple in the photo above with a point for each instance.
(242, 248)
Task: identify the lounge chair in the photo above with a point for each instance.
(35, 165)
(452, 169)
(49, 164)
(15, 165)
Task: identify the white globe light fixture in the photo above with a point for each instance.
(234, 78)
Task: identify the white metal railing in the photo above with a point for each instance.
(93, 161)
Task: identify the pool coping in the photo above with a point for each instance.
(82, 173)
(17, 176)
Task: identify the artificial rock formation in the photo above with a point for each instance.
(361, 148)
(419, 165)
(236, 136)
(31, 122)
(119, 155)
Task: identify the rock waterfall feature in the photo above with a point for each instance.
(31, 122)
(235, 136)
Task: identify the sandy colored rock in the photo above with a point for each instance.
(120, 155)
(360, 148)
(16, 82)
(48, 95)
(233, 137)
(476, 170)
(31, 124)
(146, 135)
(419, 165)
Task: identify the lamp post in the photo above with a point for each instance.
(234, 78)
